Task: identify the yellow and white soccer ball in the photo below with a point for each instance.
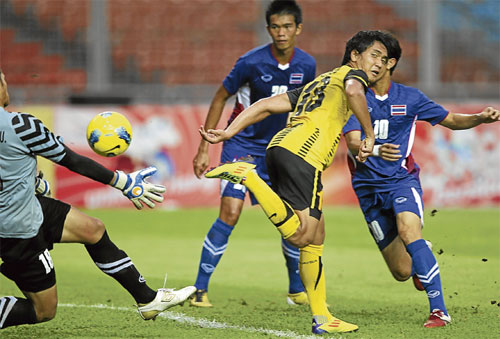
(109, 134)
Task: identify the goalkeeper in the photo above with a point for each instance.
(31, 223)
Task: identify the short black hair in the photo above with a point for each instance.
(364, 39)
(284, 7)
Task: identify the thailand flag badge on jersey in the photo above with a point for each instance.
(398, 109)
(296, 78)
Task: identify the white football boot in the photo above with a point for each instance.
(165, 298)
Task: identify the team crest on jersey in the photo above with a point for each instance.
(296, 78)
(398, 109)
(266, 77)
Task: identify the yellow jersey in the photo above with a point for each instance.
(320, 112)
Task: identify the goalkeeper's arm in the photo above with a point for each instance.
(134, 186)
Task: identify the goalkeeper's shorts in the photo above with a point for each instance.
(27, 261)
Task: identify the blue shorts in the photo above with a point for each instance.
(380, 210)
(228, 189)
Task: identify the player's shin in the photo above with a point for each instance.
(313, 276)
(115, 263)
(16, 311)
(278, 211)
(214, 246)
(427, 270)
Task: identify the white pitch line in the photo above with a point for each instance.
(205, 323)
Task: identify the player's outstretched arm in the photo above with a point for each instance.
(134, 186)
(258, 111)
(458, 121)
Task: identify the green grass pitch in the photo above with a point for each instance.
(249, 287)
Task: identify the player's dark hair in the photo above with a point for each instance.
(284, 7)
(364, 39)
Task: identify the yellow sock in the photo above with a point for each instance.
(278, 211)
(313, 277)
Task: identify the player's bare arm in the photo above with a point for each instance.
(201, 159)
(458, 121)
(389, 152)
(357, 102)
(258, 111)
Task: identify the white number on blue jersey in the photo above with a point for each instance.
(278, 89)
(381, 129)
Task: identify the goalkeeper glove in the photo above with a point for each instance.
(42, 186)
(137, 189)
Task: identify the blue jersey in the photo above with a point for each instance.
(394, 118)
(22, 138)
(256, 75)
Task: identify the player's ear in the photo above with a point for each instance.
(390, 63)
(354, 55)
(299, 29)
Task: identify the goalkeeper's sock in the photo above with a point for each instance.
(16, 311)
(291, 254)
(213, 248)
(115, 263)
(313, 277)
(278, 211)
(427, 270)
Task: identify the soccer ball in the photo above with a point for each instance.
(109, 134)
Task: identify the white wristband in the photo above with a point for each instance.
(376, 151)
(120, 180)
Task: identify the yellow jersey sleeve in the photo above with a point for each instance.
(321, 111)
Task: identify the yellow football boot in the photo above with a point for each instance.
(333, 325)
(200, 299)
(234, 171)
(297, 298)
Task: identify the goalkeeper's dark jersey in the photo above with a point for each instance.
(320, 112)
(22, 138)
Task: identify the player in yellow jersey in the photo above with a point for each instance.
(298, 154)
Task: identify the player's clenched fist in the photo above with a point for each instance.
(490, 115)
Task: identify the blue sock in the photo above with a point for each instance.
(427, 270)
(213, 247)
(291, 254)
